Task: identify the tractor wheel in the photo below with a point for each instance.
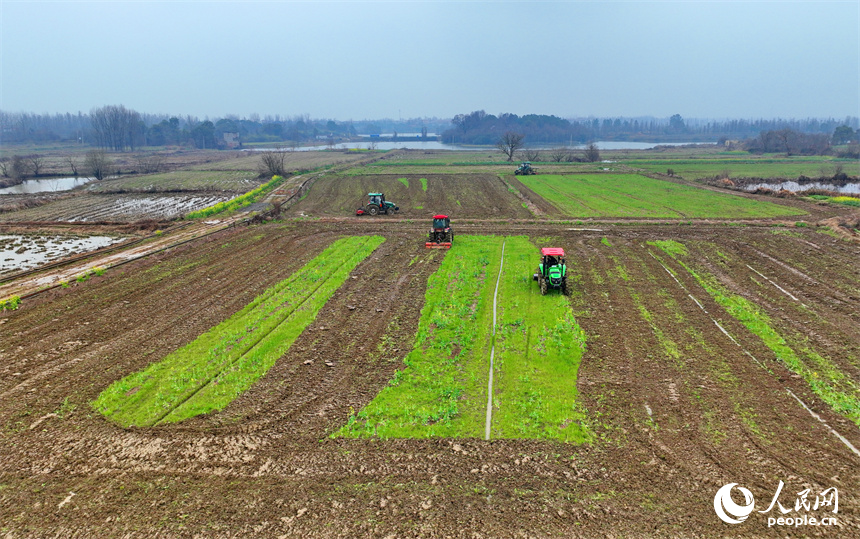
(564, 289)
(542, 286)
(372, 210)
(451, 237)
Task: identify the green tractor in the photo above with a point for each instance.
(552, 271)
(525, 169)
(377, 204)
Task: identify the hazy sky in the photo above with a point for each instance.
(358, 60)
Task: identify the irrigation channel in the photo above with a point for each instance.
(493, 349)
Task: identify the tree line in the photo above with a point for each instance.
(478, 127)
(118, 128)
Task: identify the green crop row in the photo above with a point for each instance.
(214, 369)
(824, 378)
(443, 389)
(240, 201)
(633, 195)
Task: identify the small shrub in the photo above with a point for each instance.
(11, 304)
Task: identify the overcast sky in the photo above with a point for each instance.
(360, 60)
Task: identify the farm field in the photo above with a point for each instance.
(632, 195)
(461, 196)
(236, 181)
(118, 208)
(762, 167)
(326, 375)
(675, 405)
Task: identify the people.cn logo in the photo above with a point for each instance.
(730, 512)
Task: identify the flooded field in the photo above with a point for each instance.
(21, 252)
(846, 189)
(116, 208)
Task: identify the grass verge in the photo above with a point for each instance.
(240, 201)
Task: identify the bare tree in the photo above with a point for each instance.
(559, 154)
(530, 154)
(36, 162)
(5, 166)
(150, 163)
(592, 153)
(97, 165)
(19, 168)
(509, 143)
(73, 165)
(274, 163)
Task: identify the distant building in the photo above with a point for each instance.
(231, 140)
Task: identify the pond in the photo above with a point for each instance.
(49, 185)
(22, 252)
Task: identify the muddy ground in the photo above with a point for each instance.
(669, 431)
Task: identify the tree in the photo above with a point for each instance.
(509, 143)
(559, 154)
(117, 128)
(36, 162)
(843, 135)
(592, 153)
(73, 165)
(274, 163)
(97, 165)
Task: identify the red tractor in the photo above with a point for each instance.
(441, 234)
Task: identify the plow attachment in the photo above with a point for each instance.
(434, 245)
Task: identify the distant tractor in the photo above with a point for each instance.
(552, 271)
(377, 204)
(525, 169)
(441, 234)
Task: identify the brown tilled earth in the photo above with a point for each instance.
(677, 407)
(472, 196)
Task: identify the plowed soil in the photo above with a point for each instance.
(669, 431)
(461, 196)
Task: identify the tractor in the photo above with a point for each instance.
(525, 169)
(552, 272)
(441, 234)
(377, 204)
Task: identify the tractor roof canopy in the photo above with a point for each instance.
(552, 251)
(374, 194)
(440, 216)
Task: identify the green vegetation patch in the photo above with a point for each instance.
(824, 377)
(632, 195)
(240, 201)
(211, 371)
(443, 389)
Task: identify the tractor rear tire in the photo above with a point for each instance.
(564, 289)
(372, 210)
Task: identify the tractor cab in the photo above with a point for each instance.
(441, 222)
(552, 270)
(376, 198)
(441, 234)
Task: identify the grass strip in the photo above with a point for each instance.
(211, 371)
(824, 378)
(240, 201)
(539, 346)
(443, 390)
